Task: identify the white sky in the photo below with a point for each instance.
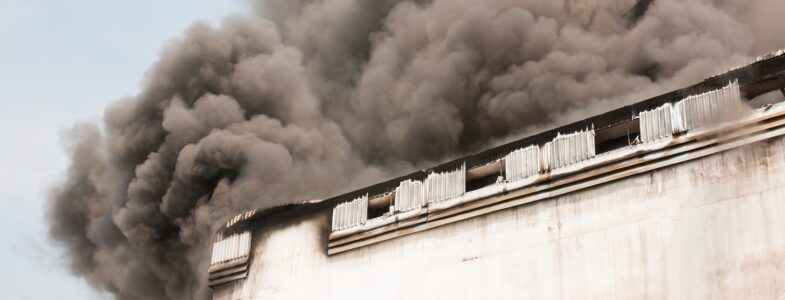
(63, 62)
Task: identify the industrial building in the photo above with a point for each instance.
(678, 196)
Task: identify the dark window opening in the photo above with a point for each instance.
(616, 137)
(482, 182)
(380, 205)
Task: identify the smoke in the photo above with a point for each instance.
(307, 99)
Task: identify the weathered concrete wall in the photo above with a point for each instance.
(707, 229)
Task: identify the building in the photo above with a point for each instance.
(678, 196)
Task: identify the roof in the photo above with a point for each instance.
(765, 74)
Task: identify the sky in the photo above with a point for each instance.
(63, 62)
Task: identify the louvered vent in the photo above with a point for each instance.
(230, 257)
(445, 185)
(709, 108)
(409, 195)
(657, 123)
(567, 149)
(351, 213)
(522, 163)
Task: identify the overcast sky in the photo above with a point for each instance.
(62, 62)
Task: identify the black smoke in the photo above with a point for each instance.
(307, 99)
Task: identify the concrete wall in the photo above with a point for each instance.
(707, 229)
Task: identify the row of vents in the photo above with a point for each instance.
(563, 151)
(231, 252)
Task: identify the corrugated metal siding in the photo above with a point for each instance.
(235, 246)
(567, 149)
(445, 185)
(351, 213)
(522, 163)
(657, 123)
(708, 108)
(240, 217)
(409, 195)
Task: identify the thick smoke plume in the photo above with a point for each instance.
(310, 98)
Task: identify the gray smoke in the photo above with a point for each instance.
(312, 98)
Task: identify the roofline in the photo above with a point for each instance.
(754, 79)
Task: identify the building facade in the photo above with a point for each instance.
(682, 198)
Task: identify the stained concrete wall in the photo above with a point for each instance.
(712, 228)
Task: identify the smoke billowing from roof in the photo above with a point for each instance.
(311, 98)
